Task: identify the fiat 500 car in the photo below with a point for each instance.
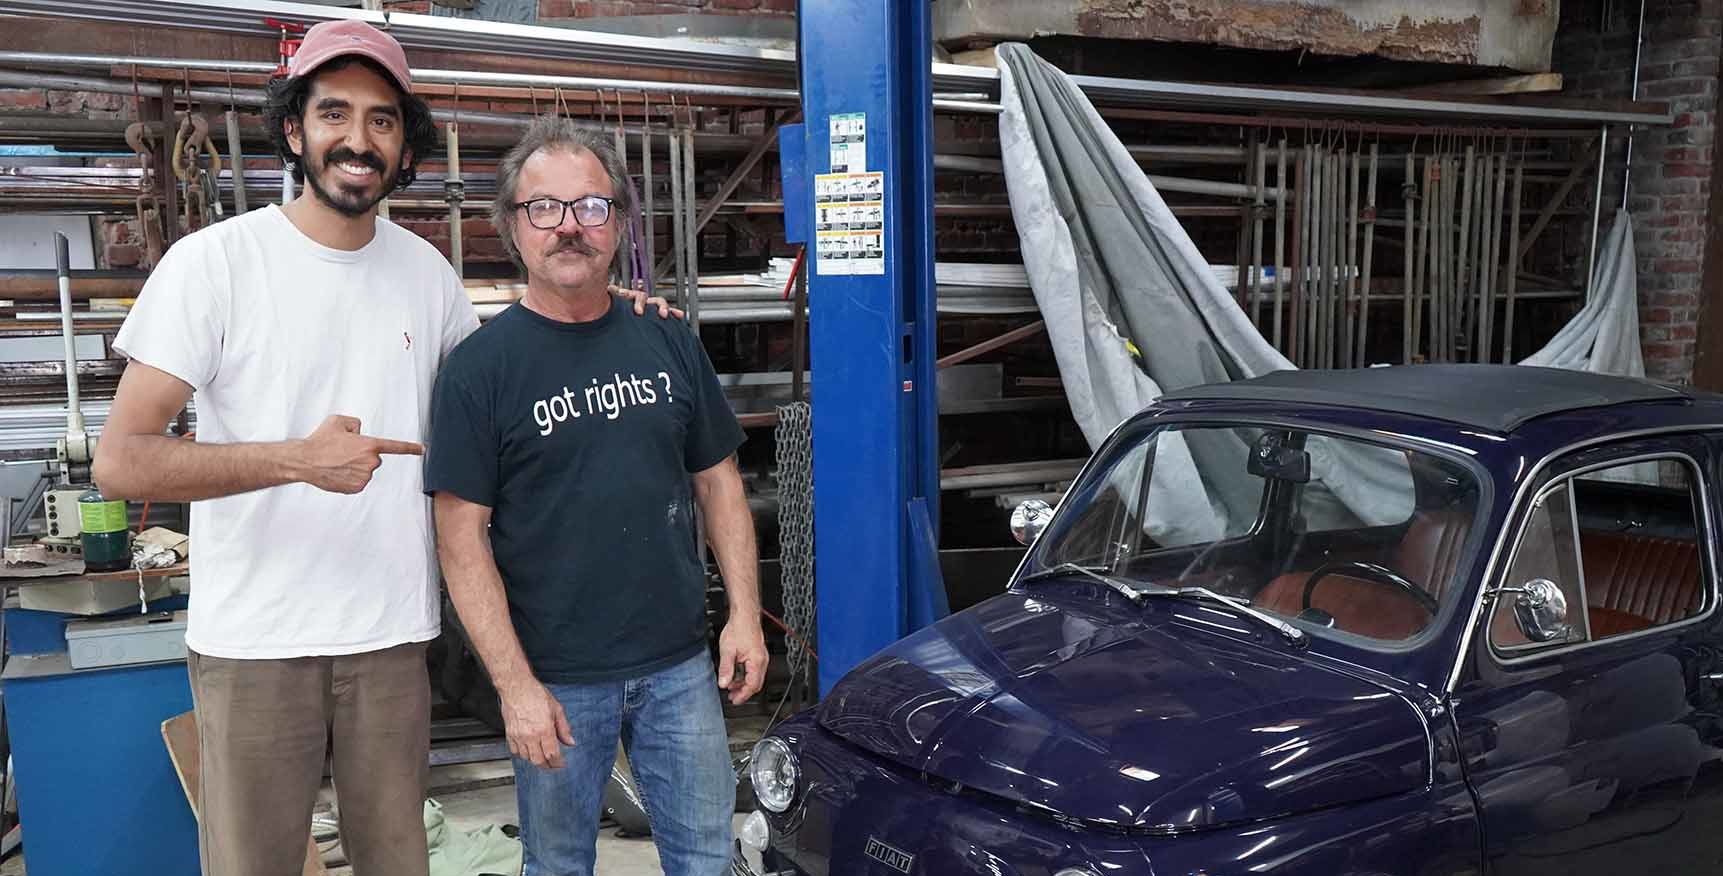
(1419, 620)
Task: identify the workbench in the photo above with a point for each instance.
(97, 793)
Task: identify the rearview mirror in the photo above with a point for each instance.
(1029, 519)
(1273, 458)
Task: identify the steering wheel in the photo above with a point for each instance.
(1371, 572)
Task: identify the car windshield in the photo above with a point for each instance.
(1338, 535)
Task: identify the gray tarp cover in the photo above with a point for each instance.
(1132, 308)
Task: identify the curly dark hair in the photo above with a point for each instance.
(286, 96)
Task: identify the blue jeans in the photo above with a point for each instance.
(671, 724)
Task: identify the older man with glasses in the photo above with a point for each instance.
(571, 443)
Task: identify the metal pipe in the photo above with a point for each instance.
(677, 241)
(1279, 237)
(74, 411)
(1463, 267)
(1300, 197)
(1408, 195)
(1434, 254)
(427, 76)
(691, 189)
(1486, 305)
(1338, 338)
(626, 255)
(1479, 265)
(1638, 52)
(236, 161)
(1596, 214)
(1470, 321)
(1260, 165)
(1337, 260)
(452, 190)
(252, 97)
(1513, 268)
(1424, 275)
(1313, 263)
(1324, 253)
(1449, 274)
(1241, 260)
(1487, 345)
(1312, 267)
(593, 83)
(1365, 274)
(991, 344)
(651, 223)
(1203, 186)
(1347, 356)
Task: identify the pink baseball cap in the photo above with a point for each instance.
(329, 40)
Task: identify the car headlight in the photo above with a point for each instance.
(1075, 871)
(774, 771)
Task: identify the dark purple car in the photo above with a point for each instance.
(1424, 620)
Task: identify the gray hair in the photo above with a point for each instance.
(558, 134)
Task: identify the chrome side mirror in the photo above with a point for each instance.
(1540, 609)
(1029, 519)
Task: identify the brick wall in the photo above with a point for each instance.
(1671, 167)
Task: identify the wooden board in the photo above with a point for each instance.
(1532, 83)
(180, 735)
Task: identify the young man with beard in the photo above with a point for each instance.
(570, 445)
(309, 335)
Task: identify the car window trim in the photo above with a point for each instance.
(1465, 457)
(1508, 658)
(1464, 652)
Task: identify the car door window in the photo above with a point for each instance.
(1547, 551)
(1624, 543)
(1640, 548)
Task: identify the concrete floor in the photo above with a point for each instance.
(476, 796)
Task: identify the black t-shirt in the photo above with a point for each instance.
(581, 438)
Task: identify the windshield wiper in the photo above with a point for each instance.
(1103, 574)
(1293, 634)
(1099, 573)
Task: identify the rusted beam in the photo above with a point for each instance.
(991, 344)
(42, 286)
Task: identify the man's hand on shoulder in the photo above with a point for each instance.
(642, 301)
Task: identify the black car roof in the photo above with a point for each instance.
(1498, 398)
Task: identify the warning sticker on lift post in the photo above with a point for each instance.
(849, 223)
(849, 142)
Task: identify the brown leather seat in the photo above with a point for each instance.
(1632, 583)
(1428, 555)
(1650, 577)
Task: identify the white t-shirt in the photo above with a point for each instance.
(275, 332)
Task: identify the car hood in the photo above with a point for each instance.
(1175, 715)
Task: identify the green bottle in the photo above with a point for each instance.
(107, 546)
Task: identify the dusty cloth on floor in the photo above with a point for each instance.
(469, 852)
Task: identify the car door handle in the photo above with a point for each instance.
(1712, 676)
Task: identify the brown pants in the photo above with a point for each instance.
(263, 729)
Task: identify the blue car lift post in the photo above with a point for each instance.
(876, 399)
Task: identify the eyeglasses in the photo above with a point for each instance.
(546, 214)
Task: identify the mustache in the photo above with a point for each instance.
(342, 154)
(571, 244)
